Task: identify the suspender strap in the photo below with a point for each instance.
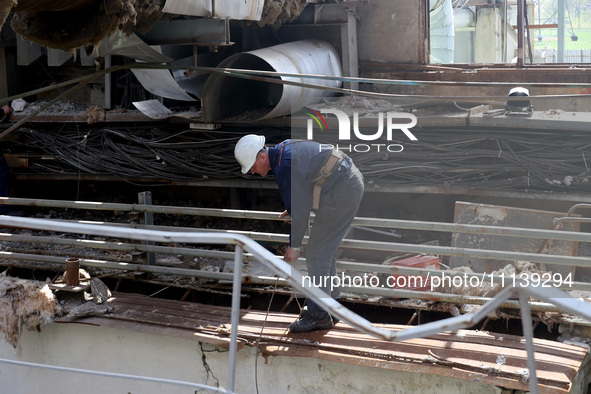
(335, 159)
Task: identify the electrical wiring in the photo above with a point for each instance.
(493, 159)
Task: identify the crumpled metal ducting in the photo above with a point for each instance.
(177, 85)
(127, 45)
(161, 83)
(190, 82)
(225, 96)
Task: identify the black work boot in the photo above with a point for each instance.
(304, 312)
(308, 323)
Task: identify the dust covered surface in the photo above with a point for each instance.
(277, 12)
(24, 301)
(68, 30)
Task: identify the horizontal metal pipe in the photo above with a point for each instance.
(378, 81)
(267, 280)
(115, 375)
(571, 219)
(387, 246)
(122, 246)
(466, 252)
(400, 247)
(267, 237)
(104, 264)
(267, 215)
(342, 265)
(475, 229)
(106, 206)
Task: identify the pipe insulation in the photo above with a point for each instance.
(442, 34)
(225, 97)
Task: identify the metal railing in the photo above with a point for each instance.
(373, 246)
(560, 299)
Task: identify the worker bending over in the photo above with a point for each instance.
(311, 178)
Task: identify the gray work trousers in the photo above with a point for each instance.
(336, 211)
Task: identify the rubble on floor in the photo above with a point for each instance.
(24, 301)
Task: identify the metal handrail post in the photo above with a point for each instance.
(528, 334)
(148, 219)
(236, 288)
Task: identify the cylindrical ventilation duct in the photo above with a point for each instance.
(225, 96)
(442, 31)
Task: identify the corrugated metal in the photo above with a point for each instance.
(496, 359)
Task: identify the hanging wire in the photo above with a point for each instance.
(509, 160)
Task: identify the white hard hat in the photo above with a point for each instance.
(519, 91)
(246, 150)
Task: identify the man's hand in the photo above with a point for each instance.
(284, 214)
(7, 110)
(291, 255)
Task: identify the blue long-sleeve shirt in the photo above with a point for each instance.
(295, 164)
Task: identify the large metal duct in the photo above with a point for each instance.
(226, 97)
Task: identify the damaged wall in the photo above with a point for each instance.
(277, 12)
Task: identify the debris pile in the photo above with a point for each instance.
(24, 301)
(94, 114)
(70, 29)
(486, 287)
(277, 12)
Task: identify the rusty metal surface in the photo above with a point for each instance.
(496, 359)
(483, 214)
(476, 73)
